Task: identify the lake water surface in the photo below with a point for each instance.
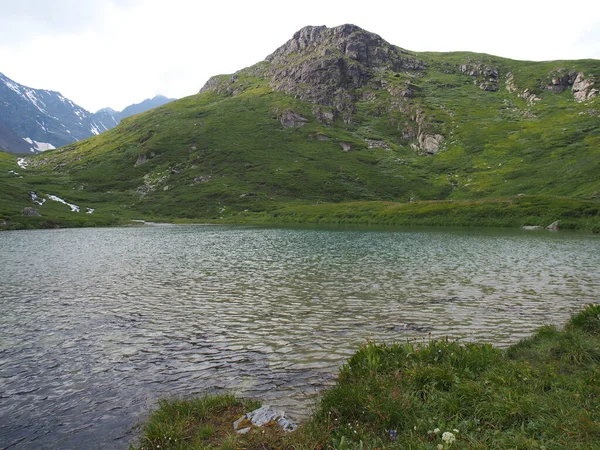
(97, 324)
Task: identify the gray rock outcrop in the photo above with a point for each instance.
(525, 94)
(319, 61)
(583, 89)
(143, 158)
(291, 119)
(263, 416)
(486, 77)
(31, 212)
(560, 80)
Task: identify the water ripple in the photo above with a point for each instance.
(97, 324)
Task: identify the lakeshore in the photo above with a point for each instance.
(543, 393)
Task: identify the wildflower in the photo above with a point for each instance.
(440, 447)
(393, 434)
(436, 431)
(448, 438)
(455, 430)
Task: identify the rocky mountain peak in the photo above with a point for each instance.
(326, 66)
(348, 41)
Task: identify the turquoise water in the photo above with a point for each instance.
(97, 324)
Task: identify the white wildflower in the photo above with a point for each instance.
(440, 447)
(436, 431)
(448, 438)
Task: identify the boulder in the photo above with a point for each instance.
(291, 119)
(532, 227)
(430, 143)
(553, 226)
(264, 415)
(31, 212)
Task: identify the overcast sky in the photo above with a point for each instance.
(113, 53)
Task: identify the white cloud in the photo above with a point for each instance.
(116, 52)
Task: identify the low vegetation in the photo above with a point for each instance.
(522, 151)
(541, 393)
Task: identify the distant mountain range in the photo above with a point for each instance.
(35, 120)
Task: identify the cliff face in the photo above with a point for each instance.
(318, 62)
(327, 66)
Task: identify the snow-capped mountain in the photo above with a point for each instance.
(35, 120)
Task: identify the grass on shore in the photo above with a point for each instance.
(541, 393)
(514, 212)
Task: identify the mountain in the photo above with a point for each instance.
(339, 125)
(43, 119)
(144, 106)
(36, 120)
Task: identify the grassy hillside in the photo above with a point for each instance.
(247, 145)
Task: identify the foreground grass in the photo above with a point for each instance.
(542, 393)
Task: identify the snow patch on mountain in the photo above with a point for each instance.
(39, 146)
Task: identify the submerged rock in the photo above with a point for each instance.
(263, 416)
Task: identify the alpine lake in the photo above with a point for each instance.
(97, 324)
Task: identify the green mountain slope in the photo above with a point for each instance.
(339, 115)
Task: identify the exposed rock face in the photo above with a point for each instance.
(525, 94)
(143, 158)
(486, 77)
(334, 68)
(326, 65)
(427, 143)
(291, 119)
(583, 88)
(430, 143)
(561, 80)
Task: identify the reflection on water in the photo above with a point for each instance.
(96, 324)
